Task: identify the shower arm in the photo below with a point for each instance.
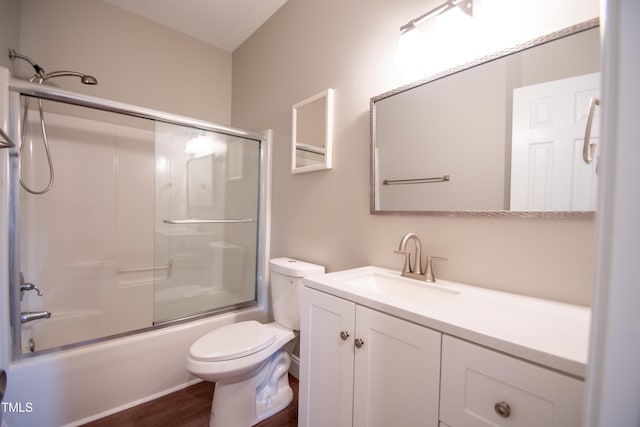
(13, 55)
(42, 76)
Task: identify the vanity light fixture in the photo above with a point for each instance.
(465, 6)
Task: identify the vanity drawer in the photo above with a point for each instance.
(481, 387)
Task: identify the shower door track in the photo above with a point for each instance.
(19, 87)
(55, 94)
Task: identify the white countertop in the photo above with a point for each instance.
(548, 333)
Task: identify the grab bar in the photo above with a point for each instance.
(588, 149)
(125, 270)
(417, 180)
(208, 221)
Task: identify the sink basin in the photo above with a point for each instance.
(393, 286)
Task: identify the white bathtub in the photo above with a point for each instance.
(72, 387)
(61, 329)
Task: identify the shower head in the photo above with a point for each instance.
(41, 76)
(89, 80)
(84, 78)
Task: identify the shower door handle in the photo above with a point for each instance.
(208, 221)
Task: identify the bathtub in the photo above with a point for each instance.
(76, 386)
(73, 386)
(62, 329)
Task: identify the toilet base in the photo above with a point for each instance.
(247, 402)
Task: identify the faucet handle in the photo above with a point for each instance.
(428, 273)
(24, 287)
(407, 266)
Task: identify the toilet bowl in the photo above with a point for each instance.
(249, 361)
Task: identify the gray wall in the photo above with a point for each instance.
(9, 29)
(323, 217)
(135, 60)
(306, 47)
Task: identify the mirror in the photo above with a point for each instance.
(312, 130)
(501, 136)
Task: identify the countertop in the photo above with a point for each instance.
(551, 334)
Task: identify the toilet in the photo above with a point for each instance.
(249, 361)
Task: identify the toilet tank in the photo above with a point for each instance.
(286, 276)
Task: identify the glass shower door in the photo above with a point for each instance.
(147, 222)
(206, 227)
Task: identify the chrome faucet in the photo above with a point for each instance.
(34, 315)
(416, 270)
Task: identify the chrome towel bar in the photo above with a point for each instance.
(208, 221)
(417, 180)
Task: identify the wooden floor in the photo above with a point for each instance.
(189, 407)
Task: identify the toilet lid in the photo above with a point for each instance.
(233, 341)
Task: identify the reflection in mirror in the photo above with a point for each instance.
(502, 134)
(312, 127)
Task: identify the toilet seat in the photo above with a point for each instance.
(232, 342)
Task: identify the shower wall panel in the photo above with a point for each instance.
(88, 243)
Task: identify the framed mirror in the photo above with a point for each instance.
(501, 136)
(312, 133)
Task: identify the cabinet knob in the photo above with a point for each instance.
(358, 342)
(503, 409)
(344, 335)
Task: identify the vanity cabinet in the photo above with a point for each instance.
(481, 387)
(361, 367)
(378, 349)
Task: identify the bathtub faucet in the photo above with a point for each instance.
(34, 315)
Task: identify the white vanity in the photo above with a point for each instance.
(378, 349)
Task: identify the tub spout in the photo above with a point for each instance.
(34, 315)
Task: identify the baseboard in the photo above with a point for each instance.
(132, 404)
(294, 369)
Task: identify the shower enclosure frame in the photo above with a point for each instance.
(19, 87)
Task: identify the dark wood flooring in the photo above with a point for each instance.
(189, 407)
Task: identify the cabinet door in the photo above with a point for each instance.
(326, 360)
(397, 372)
(482, 388)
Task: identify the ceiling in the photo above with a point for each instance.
(222, 23)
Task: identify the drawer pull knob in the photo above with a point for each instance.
(503, 409)
(358, 342)
(344, 335)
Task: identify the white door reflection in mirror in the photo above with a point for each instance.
(547, 170)
(312, 129)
